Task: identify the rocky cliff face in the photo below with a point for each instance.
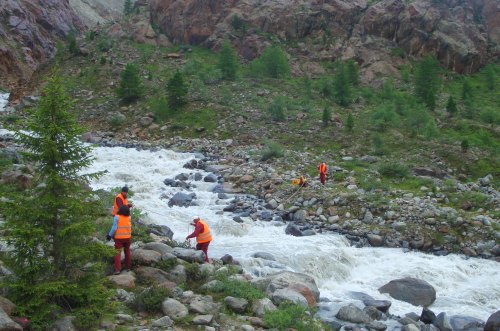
(28, 30)
(464, 34)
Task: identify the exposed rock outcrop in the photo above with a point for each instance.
(463, 35)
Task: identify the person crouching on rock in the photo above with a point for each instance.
(121, 231)
(202, 234)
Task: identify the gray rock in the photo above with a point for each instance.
(238, 305)
(178, 274)
(301, 283)
(212, 285)
(189, 255)
(352, 313)
(272, 204)
(162, 231)
(415, 291)
(376, 325)
(246, 327)
(203, 319)
(182, 177)
(293, 230)
(373, 313)
(152, 275)
(300, 215)
(182, 199)
(264, 256)
(382, 305)
(288, 295)
(158, 247)
(427, 316)
(63, 324)
(259, 307)
(174, 309)
(145, 256)
(164, 322)
(410, 327)
(7, 305)
(428, 327)
(466, 323)
(493, 322)
(210, 178)
(124, 296)
(203, 305)
(368, 218)
(443, 322)
(375, 240)
(124, 318)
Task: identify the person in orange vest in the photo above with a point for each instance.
(202, 234)
(322, 172)
(121, 232)
(121, 199)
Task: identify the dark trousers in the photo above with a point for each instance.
(322, 178)
(119, 244)
(203, 247)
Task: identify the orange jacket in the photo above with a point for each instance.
(124, 227)
(115, 205)
(322, 168)
(204, 236)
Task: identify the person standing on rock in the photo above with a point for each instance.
(322, 172)
(121, 232)
(202, 234)
(121, 199)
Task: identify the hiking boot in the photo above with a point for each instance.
(116, 273)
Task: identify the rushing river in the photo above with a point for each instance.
(464, 286)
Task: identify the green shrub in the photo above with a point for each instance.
(490, 116)
(349, 123)
(327, 114)
(104, 44)
(228, 61)
(102, 60)
(273, 63)
(272, 150)
(291, 316)
(150, 299)
(418, 119)
(326, 87)
(116, 122)
(451, 106)
(130, 87)
(238, 24)
(166, 265)
(383, 117)
(394, 170)
(237, 288)
(464, 145)
(427, 81)
(277, 109)
(198, 90)
(342, 86)
(397, 51)
(194, 273)
(177, 91)
(71, 40)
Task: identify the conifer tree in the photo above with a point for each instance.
(466, 90)
(349, 122)
(489, 74)
(127, 7)
(427, 81)
(274, 62)
(451, 106)
(50, 226)
(130, 88)
(177, 91)
(228, 61)
(327, 114)
(72, 45)
(341, 87)
(353, 72)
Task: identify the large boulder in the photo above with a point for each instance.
(7, 305)
(7, 324)
(238, 305)
(151, 275)
(182, 199)
(412, 290)
(301, 283)
(162, 231)
(259, 307)
(158, 247)
(189, 255)
(123, 280)
(145, 256)
(466, 323)
(174, 309)
(352, 313)
(493, 322)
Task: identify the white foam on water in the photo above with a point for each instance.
(464, 286)
(4, 99)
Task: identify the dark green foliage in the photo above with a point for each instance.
(378, 144)
(130, 87)
(341, 86)
(326, 87)
(228, 61)
(307, 89)
(427, 81)
(177, 91)
(127, 7)
(466, 90)
(419, 121)
(71, 40)
(273, 63)
(394, 170)
(271, 150)
(352, 72)
(464, 145)
(383, 117)
(193, 273)
(102, 61)
(150, 299)
(327, 115)
(292, 316)
(198, 90)
(490, 116)
(349, 122)
(451, 106)
(50, 226)
(277, 109)
(398, 52)
(159, 107)
(237, 288)
(490, 77)
(238, 24)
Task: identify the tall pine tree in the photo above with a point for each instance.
(341, 86)
(228, 61)
(427, 81)
(130, 88)
(177, 90)
(50, 226)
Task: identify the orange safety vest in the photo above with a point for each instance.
(124, 227)
(204, 236)
(322, 168)
(115, 206)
